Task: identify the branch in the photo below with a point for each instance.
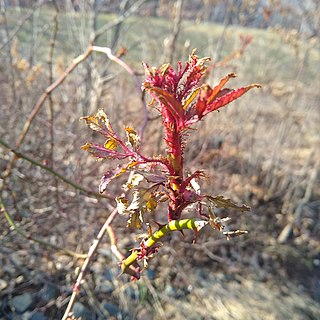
(136, 80)
(54, 86)
(136, 5)
(53, 172)
(19, 24)
(27, 236)
(194, 224)
(40, 103)
(91, 253)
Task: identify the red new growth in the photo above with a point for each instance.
(182, 102)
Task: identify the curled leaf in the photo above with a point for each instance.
(214, 92)
(190, 98)
(133, 138)
(99, 122)
(110, 175)
(134, 181)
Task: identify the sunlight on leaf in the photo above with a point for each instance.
(99, 122)
(214, 92)
(111, 144)
(190, 98)
(101, 152)
(122, 205)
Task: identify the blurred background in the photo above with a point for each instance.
(262, 150)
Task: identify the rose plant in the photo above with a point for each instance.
(182, 101)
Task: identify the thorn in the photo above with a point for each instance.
(196, 232)
(160, 225)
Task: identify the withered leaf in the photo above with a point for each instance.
(101, 152)
(153, 177)
(122, 205)
(99, 122)
(133, 138)
(221, 202)
(110, 175)
(135, 180)
(234, 233)
(135, 220)
(111, 144)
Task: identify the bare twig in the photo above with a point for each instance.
(51, 111)
(28, 236)
(135, 7)
(9, 53)
(19, 25)
(40, 103)
(172, 40)
(56, 174)
(86, 263)
(55, 85)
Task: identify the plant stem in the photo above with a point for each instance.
(194, 224)
(90, 255)
(53, 172)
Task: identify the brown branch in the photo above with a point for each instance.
(40, 103)
(86, 263)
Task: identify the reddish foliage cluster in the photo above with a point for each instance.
(182, 101)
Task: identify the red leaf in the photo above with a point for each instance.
(214, 92)
(228, 97)
(168, 99)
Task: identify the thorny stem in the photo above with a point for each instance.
(27, 236)
(194, 224)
